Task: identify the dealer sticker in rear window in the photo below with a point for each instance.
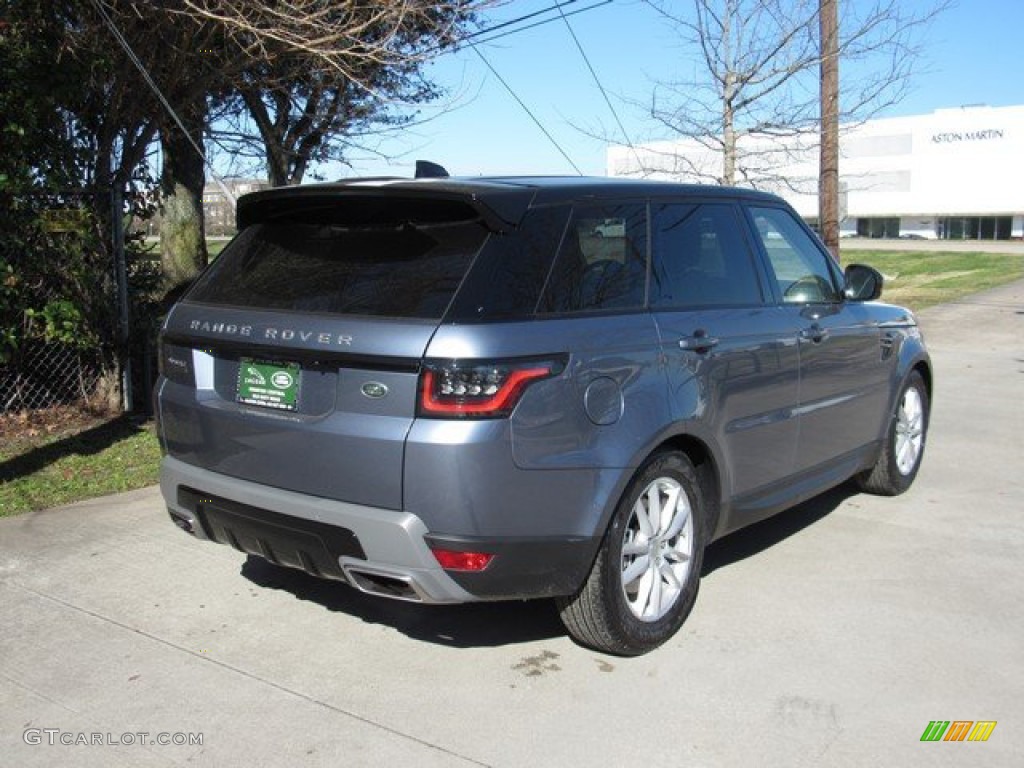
(271, 385)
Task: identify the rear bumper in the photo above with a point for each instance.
(389, 546)
(379, 551)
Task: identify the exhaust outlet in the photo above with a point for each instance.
(383, 584)
(185, 523)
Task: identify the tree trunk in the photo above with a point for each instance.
(272, 132)
(182, 230)
(729, 150)
(728, 142)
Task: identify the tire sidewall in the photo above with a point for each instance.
(638, 634)
(903, 482)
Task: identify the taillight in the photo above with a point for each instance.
(479, 390)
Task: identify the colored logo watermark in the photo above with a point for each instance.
(958, 730)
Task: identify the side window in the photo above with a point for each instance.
(801, 269)
(602, 262)
(700, 258)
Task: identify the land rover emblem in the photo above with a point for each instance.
(375, 390)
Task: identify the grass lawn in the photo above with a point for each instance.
(214, 247)
(60, 455)
(918, 279)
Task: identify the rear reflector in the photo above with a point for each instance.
(462, 561)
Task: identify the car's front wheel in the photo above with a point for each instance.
(644, 580)
(897, 465)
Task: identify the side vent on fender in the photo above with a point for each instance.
(888, 344)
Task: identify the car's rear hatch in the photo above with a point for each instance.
(294, 360)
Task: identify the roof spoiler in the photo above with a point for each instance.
(500, 208)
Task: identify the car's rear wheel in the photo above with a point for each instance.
(644, 580)
(901, 454)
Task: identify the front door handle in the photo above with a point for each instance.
(700, 342)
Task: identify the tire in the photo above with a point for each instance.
(900, 459)
(644, 580)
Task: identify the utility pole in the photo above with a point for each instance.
(828, 163)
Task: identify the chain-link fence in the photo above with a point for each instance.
(64, 305)
(43, 374)
(80, 302)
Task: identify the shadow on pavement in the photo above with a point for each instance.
(458, 626)
(756, 538)
(509, 623)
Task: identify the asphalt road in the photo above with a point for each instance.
(831, 635)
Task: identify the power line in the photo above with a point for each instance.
(511, 22)
(537, 23)
(473, 37)
(600, 87)
(526, 109)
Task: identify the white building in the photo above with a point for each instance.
(219, 210)
(955, 173)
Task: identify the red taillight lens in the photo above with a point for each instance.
(462, 561)
(478, 390)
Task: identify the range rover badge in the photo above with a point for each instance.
(374, 390)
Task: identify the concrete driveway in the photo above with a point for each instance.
(831, 635)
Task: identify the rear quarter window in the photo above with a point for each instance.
(602, 261)
(507, 277)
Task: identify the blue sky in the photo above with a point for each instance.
(972, 57)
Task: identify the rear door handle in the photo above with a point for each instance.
(815, 333)
(699, 342)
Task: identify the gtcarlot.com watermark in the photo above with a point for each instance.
(56, 736)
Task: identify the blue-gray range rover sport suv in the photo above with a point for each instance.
(451, 390)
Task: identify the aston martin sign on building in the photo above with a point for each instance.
(953, 174)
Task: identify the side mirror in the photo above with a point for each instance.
(862, 283)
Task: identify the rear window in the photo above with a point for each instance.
(394, 260)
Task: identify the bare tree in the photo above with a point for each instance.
(753, 96)
(306, 69)
(343, 36)
(294, 106)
